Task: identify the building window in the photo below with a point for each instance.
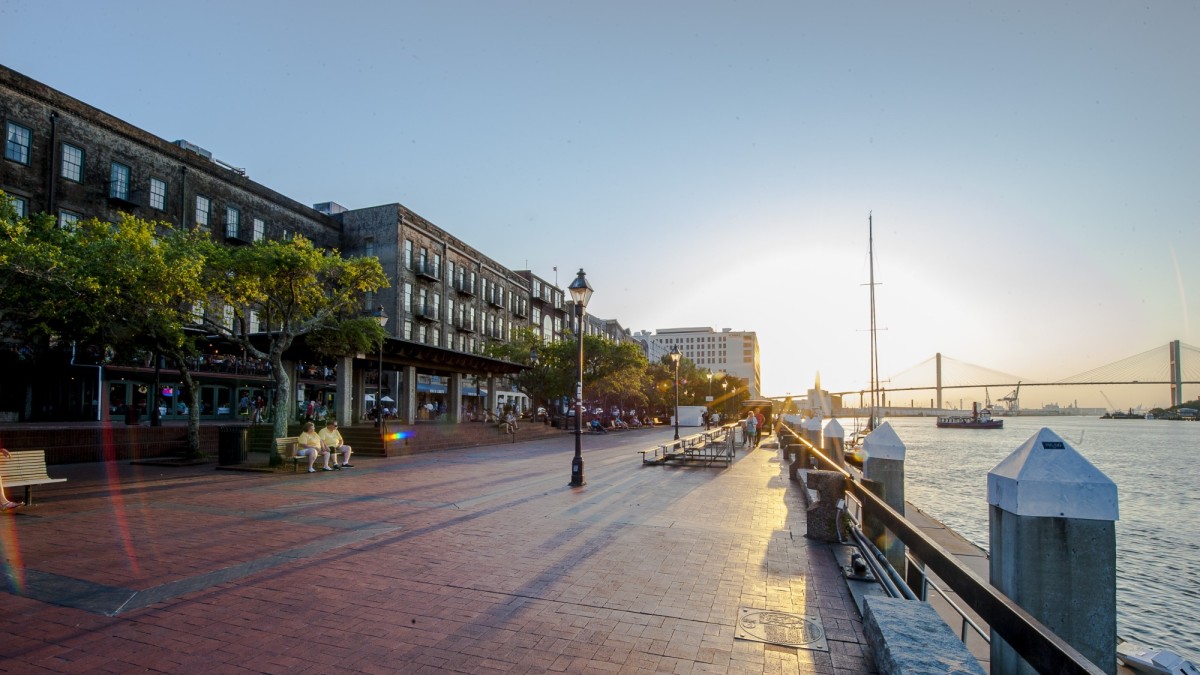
(437, 336)
(450, 270)
(118, 181)
(67, 219)
(407, 330)
(233, 222)
(408, 250)
(72, 162)
(201, 211)
(158, 194)
(407, 300)
(260, 229)
(17, 140)
(227, 317)
(422, 333)
(437, 265)
(20, 205)
(252, 319)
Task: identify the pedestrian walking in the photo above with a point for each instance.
(751, 429)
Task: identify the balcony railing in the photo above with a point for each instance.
(464, 287)
(425, 312)
(427, 270)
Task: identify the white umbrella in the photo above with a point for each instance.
(370, 398)
(388, 399)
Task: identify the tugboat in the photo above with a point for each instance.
(978, 419)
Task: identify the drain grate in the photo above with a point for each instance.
(781, 628)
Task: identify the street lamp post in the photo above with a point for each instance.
(382, 319)
(675, 359)
(581, 292)
(707, 403)
(725, 397)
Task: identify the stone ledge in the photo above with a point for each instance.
(908, 636)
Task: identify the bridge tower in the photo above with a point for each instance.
(939, 382)
(1176, 373)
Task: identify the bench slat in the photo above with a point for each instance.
(26, 468)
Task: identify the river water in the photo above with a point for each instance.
(1153, 464)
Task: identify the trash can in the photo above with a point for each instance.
(231, 445)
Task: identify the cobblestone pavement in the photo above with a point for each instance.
(478, 560)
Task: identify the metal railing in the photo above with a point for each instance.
(1038, 645)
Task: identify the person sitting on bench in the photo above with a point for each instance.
(310, 445)
(598, 427)
(335, 445)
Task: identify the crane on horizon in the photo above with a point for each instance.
(1012, 402)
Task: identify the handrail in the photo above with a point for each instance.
(966, 620)
(1038, 645)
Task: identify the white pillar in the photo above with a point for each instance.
(1052, 523)
(454, 393)
(835, 442)
(408, 398)
(883, 469)
(343, 400)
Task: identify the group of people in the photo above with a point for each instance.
(327, 444)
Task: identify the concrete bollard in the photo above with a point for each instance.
(812, 431)
(835, 442)
(1052, 523)
(822, 515)
(883, 468)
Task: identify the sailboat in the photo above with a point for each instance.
(874, 413)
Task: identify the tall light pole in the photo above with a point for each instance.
(725, 398)
(581, 292)
(382, 319)
(675, 359)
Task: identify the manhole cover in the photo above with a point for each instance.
(781, 628)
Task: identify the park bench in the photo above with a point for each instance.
(26, 468)
(286, 448)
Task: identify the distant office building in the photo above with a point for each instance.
(734, 352)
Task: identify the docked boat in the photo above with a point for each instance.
(978, 419)
(1154, 660)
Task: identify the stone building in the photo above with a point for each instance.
(66, 158)
(446, 299)
(730, 351)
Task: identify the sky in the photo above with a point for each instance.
(1032, 169)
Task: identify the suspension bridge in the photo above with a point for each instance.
(1172, 365)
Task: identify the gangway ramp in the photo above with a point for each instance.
(706, 448)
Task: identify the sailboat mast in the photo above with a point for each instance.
(874, 349)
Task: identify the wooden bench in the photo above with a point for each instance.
(26, 468)
(286, 447)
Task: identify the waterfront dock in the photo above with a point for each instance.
(471, 560)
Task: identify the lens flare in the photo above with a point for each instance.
(120, 518)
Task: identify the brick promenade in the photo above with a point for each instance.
(479, 560)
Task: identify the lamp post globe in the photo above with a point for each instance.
(675, 359)
(581, 292)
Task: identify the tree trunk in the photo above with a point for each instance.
(283, 402)
(193, 425)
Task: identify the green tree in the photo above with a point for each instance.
(294, 289)
(148, 276)
(126, 285)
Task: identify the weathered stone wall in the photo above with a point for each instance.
(55, 118)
